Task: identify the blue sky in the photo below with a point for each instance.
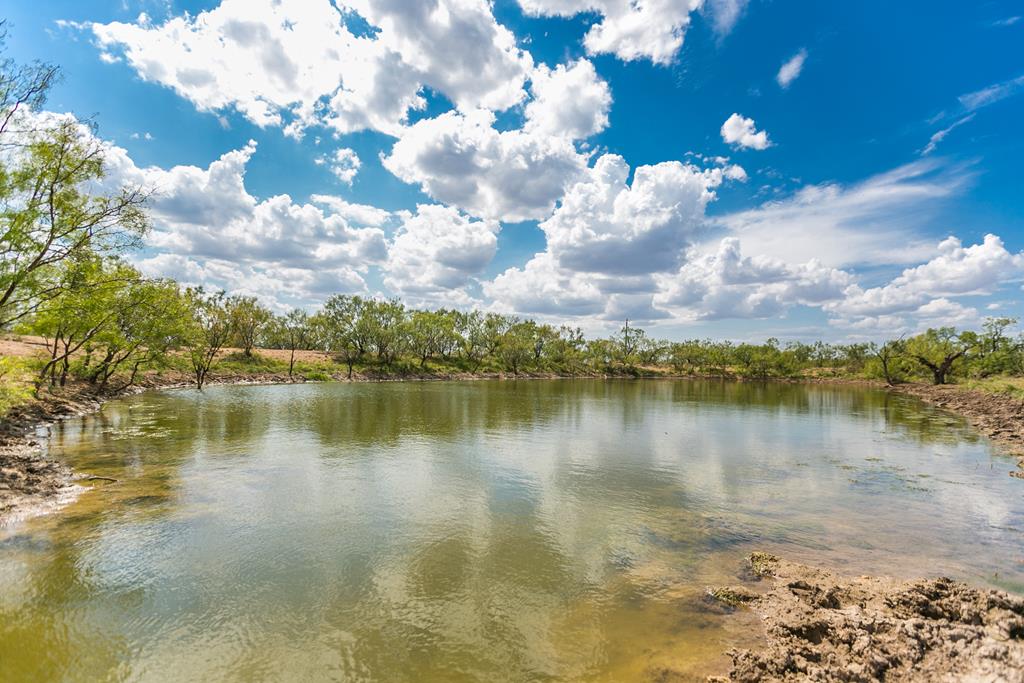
(496, 192)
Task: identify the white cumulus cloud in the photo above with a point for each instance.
(436, 249)
(541, 287)
(460, 159)
(344, 163)
(631, 30)
(740, 131)
(604, 225)
(568, 101)
(956, 271)
(726, 284)
(207, 225)
(273, 61)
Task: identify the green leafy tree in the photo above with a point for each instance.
(384, 322)
(50, 212)
(426, 331)
(341, 329)
(997, 352)
(517, 346)
(249, 319)
(296, 330)
(496, 326)
(891, 361)
(151, 321)
(628, 340)
(475, 337)
(92, 290)
(209, 330)
(939, 351)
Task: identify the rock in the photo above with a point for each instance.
(732, 595)
(824, 627)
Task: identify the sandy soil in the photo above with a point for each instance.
(821, 626)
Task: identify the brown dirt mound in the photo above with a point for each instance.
(823, 627)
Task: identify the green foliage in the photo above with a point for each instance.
(208, 329)
(49, 216)
(249, 320)
(942, 351)
(15, 383)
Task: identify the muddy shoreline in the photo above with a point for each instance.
(822, 626)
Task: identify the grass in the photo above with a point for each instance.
(1012, 386)
(16, 382)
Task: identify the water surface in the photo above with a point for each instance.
(477, 531)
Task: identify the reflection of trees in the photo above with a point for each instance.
(923, 423)
(176, 423)
(565, 488)
(384, 413)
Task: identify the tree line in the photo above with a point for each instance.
(64, 277)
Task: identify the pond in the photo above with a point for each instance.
(477, 531)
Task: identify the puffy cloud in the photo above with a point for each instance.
(456, 45)
(605, 226)
(956, 271)
(279, 287)
(607, 239)
(359, 214)
(209, 229)
(725, 284)
(541, 287)
(632, 30)
(460, 159)
(870, 222)
(791, 68)
(267, 58)
(940, 312)
(944, 312)
(568, 101)
(258, 56)
(740, 131)
(344, 164)
(437, 249)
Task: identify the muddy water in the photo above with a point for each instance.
(479, 531)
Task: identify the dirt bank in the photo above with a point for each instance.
(1000, 417)
(821, 626)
